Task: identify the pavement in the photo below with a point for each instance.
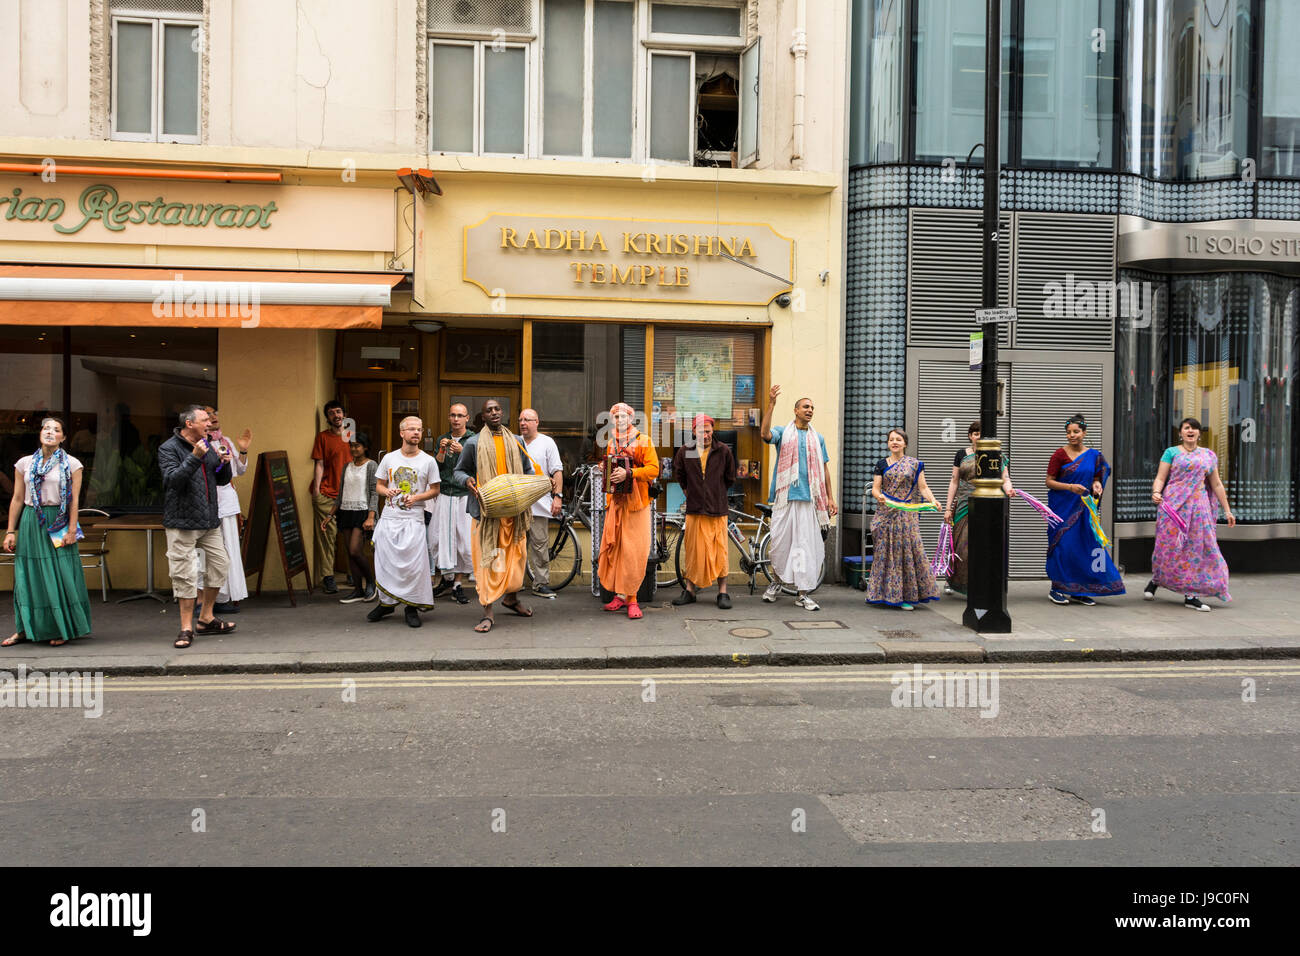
(572, 632)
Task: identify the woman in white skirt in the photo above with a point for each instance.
(234, 462)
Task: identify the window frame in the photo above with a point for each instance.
(157, 76)
(525, 42)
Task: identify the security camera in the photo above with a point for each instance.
(783, 300)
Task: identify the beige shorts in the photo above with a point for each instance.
(183, 560)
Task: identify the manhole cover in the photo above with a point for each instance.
(814, 625)
(750, 632)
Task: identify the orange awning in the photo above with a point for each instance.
(209, 298)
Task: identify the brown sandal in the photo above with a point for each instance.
(214, 626)
(185, 639)
(480, 629)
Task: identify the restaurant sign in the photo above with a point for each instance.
(197, 214)
(562, 257)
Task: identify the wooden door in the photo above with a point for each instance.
(473, 397)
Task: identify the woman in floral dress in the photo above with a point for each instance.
(1189, 562)
(900, 571)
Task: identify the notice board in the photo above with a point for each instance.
(274, 505)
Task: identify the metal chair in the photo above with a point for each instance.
(93, 548)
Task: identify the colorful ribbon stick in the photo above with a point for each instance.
(1174, 516)
(1050, 516)
(1094, 519)
(910, 506)
(945, 555)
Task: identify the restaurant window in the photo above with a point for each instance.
(390, 356)
(156, 72)
(118, 390)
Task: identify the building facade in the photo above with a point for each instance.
(1150, 212)
(598, 201)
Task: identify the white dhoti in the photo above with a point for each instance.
(402, 560)
(449, 535)
(796, 548)
(236, 588)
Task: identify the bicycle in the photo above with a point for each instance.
(564, 555)
(754, 558)
(670, 532)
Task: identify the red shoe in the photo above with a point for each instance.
(634, 611)
(616, 605)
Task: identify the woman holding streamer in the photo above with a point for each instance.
(1077, 559)
(900, 572)
(964, 470)
(1187, 557)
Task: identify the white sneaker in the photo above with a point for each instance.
(807, 603)
(772, 593)
(1193, 603)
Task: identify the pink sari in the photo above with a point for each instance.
(1190, 562)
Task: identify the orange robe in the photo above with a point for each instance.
(705, 549)
(625, 541)
(506, 575)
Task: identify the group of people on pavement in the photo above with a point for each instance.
(434, 533)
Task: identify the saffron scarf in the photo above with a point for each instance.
(485, 465)
(787, 470)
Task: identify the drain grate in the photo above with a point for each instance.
(750, 633)
(816, 625)
(899, 635)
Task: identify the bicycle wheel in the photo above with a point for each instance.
(765, 568)
(566, 558)
(666, 575)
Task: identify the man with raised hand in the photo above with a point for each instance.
(450, 555)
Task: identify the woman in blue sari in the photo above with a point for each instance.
(1077, 560)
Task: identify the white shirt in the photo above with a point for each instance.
(545, 453)
(227, 496)
(352, 496)
(50, 486)
(413, 475)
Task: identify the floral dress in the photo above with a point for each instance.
(1190, 563)
(900, 571)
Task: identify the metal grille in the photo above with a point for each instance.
(945, 275)
(1065, 266)
(947, 401)
(1046, 395)
(481, 16)
(192, 8)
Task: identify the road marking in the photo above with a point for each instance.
(883, 676)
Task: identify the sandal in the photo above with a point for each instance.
(480, 629)
(214, 626)
(184, 639)
(11, 640)
(57, 642)
(516, 609)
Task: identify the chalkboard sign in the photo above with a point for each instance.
(274, 504)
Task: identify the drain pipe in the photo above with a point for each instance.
(800, 51)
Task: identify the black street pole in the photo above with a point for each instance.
(986, 575)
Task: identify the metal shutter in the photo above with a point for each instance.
(1047, 395)
(947, 400)
(944, 275)
(480, 16)
(1049, 248)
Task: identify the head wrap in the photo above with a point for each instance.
(701, 419)
(623, 437)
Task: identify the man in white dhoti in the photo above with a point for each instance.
(801, 500)
(234, 462)
(450, 552)
(405, 479)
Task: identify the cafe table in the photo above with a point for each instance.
(148, 523)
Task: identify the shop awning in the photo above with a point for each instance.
(209, 298)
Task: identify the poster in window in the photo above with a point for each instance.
(663, 386)
(744, 390)
(704, 376)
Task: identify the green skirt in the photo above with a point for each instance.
(50, 601)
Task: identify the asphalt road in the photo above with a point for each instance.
(1099, 764)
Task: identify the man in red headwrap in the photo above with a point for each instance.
(705, 471)
(625, 542)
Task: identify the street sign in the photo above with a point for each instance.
(993, 316)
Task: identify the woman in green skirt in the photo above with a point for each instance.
(50, 601)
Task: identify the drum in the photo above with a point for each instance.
(506, 496)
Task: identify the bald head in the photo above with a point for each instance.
(528, 424)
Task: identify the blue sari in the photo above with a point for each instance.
(1076, 561)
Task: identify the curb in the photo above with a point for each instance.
(621, 658)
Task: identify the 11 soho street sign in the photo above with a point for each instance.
(638, 260)
(197, 214)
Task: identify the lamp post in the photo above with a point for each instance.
(986, 552)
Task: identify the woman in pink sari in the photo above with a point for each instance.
(1187, 557)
